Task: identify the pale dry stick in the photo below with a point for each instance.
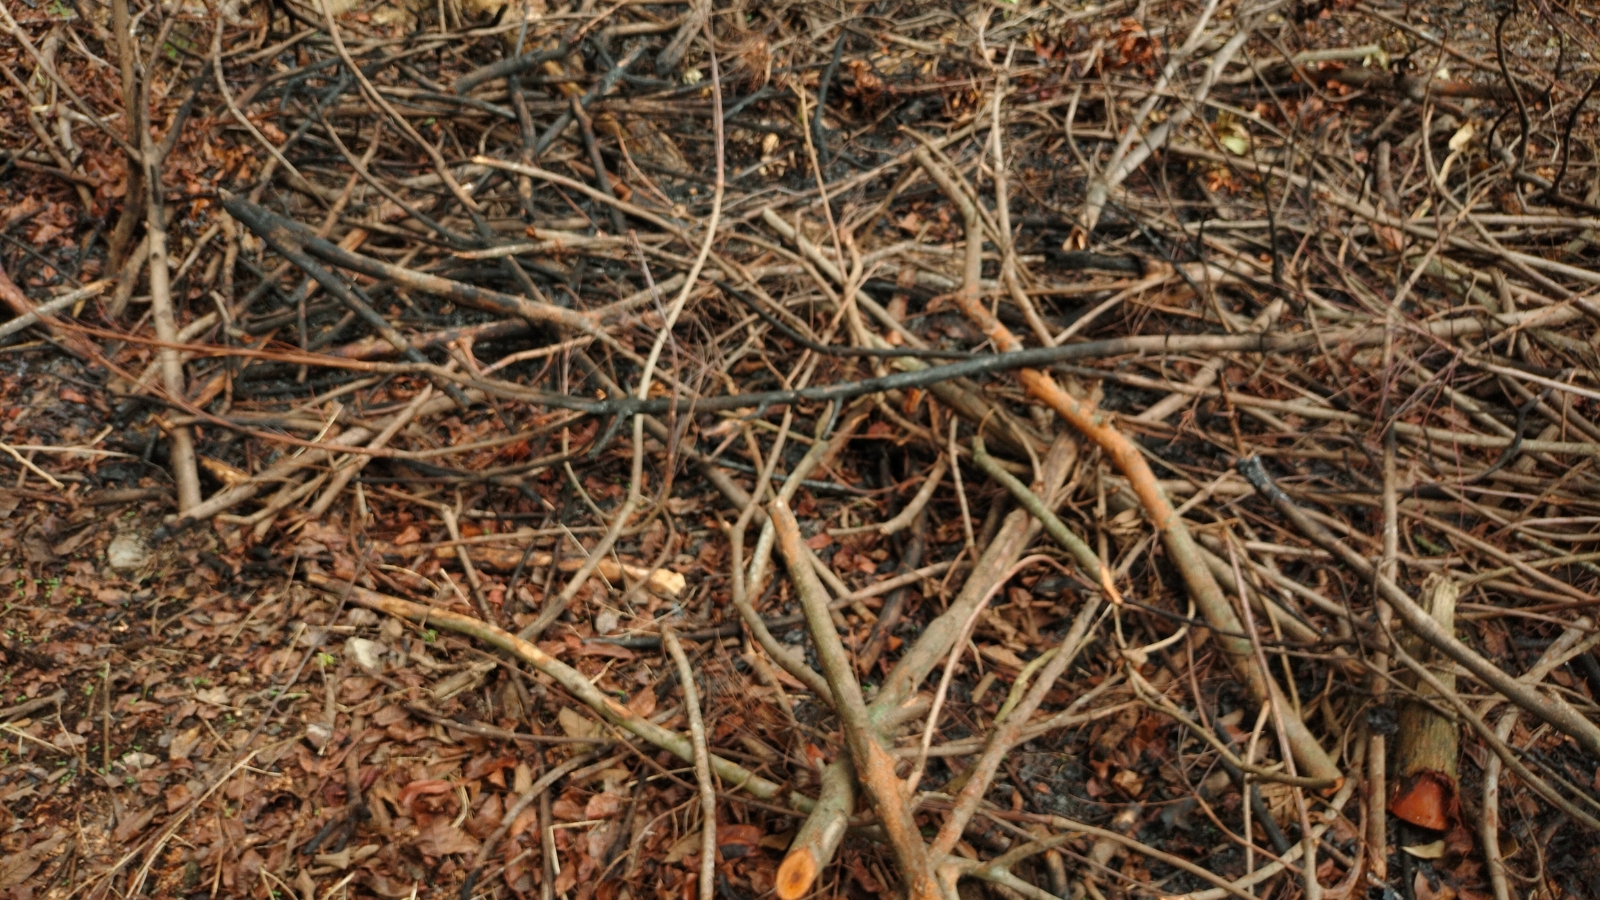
(897, 695)
(939, 694)
(1126, 158)
(351, 466)
(263, 519)
(1569, 642)
(163, 315)
(1162, 274)
(918, 502)
(1489, 823)
(49, 70)
(1154, 699)
(51, 307)
(718, 191)
(352, 438)
(474, 581)
(29, 465)
(792, 661)
(994, 869)
(1554, 712)
(440, 165)
(570, 679)
(1002, 211)
(1500, 747)
(1279, 706)
(1085, 556)
(755, 580)
(1096, 425)
(702, 765)
(874, 767)
(1065, 719)
(555, 606)
(191, 331)
(1377, 742)
(1011, 726)
(961, 494)
(297, 180)
(699, 14)
(589, 191)
(13, 297)
(1166, 406)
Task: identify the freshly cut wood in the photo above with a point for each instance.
(1427, 747)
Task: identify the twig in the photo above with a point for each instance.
(1096, 425)
(702, 768)
(1557, 714)
(566, 676)
(874, 768)
(526, 799)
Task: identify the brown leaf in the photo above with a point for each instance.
(422, 786)
(575, 724)
(609, 650)
(442, 839)
(16, 867)
(389, 715)
(183, 744)
(602, 806)
(735, 841)
(644, 704)
(483, 765)
(384, 886)
(177, 795)
(132, 825)
(524, 820)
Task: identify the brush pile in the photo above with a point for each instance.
(719, 449)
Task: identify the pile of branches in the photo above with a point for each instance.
(1199, 392)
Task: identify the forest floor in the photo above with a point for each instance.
(582, 451)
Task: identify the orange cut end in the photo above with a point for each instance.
(1425, 802)
(795, 875)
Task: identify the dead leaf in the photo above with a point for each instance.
(464, 680)
(735, 841)
(602, 806)
(1129, 782)
(442, 839)
(366, 654)
(177, 796)
(643, 702)
(15, 868)
(487, 764)
(183, 744)
(600, 648)
(683, 847)
(417, 788)
(132, 825)
(575, 724)
(215, 696)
